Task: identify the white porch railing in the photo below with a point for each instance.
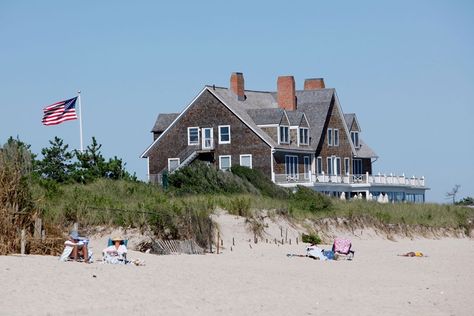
(351, 179)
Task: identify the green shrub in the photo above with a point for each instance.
(311, 239)
(199, 178)
(306, 199)
(261, 182)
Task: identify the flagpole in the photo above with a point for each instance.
(80, 117)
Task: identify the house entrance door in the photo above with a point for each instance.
(207, 138)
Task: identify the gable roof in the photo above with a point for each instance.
(261, 108)
(163, 121)
(350, 119)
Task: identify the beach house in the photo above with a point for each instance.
(295, 137)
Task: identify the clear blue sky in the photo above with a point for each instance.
(405, 67)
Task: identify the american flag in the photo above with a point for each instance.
(60, 112)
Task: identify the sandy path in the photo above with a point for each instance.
(261, 280)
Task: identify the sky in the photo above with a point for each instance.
(406, 68)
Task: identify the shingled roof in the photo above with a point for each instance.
(163, 121)
(261, 108)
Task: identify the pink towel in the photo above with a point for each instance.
(342, 245)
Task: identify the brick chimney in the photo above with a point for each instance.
(286, 93)
(314, 83)
(237, 85)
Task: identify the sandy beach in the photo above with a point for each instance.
(256, 280)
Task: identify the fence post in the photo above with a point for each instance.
(210, 237)
(218, 243)
(37, 232)
(23, 242)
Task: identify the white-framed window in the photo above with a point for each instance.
(304, 137)
(319, 165)
(347, 166)
(193, 135)
(224, 134)
(337, 167)
(307, 167)
(291, 167)
(246, 161)
(329, 136)
(329, 161)
(336, 137)
(173, 164)
(284, 134)
(357, 166)
(225, 162)
(355, 139)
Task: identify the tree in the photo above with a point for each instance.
(92, 165)
(453, 192)
(57, 162)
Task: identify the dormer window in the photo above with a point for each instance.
(304, 138)
(355, 139)
(284, 136)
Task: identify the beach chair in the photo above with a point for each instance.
(121, 259)
(342, 248)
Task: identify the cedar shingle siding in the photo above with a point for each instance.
(208, 111)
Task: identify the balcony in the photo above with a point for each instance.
(353, 180)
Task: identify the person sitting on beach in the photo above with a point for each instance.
(413, 254)
(76, 249)
(115, 253)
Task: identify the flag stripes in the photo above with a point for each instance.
(60, 112)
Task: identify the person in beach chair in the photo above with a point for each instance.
(76, 248)
(342, 248)
(116, 251)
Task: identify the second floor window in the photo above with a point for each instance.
(355, 139)
(284, 135)
(329, 136)
(336, 137)
(193, 135)
(304, 136)
(224, 134)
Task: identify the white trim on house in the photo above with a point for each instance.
(336, 137)
(318, 165)
(299, 135)
(268, 125)
(307, 167)
(189, 138)
(220, 161)
(279, 134)
(291, 165)
(219, 132)
(145, 153)
(246, 155)
(347, 165)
